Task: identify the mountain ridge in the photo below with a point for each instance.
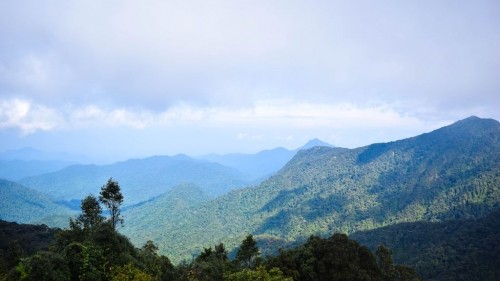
(264, 163)
(445, 174)
(140, 179)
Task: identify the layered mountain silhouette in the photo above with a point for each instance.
(185, 204)
(450, 173)
(140, 179)
(263, 164)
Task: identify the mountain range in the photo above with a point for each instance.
(139, 179)
(450, 173)
(446, 177)
(261, 165)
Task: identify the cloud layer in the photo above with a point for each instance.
(291, 64)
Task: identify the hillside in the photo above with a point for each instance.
(145, 216)
(450, 250)
(261, 164)
(25, 205)
(140, 179)
(450, 173)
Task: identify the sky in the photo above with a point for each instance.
(118, 79)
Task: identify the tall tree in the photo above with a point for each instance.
(91, 215)
(384, 259)
(112, 198)
(248, 252)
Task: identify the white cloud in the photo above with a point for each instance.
(27, 117)
(348, 72)
(30, 117)
(156, 53)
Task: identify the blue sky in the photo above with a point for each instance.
(119, 79)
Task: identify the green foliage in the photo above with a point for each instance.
(104, 254)
(25, 205)
(450, 250)
(209, 265)
(144, 222)
(91, 215)
(18, 241)
(88, 250)
(335, 258)
(384, 259)
(129, 273)
(112, 198)
(45, 266)
(248, 252)
(158, 266)
(451, 173)
(259, 274)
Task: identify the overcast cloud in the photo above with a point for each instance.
(241, 75)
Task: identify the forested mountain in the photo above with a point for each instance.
(25, 205)
(145, 216)
(450, 173)
(98, 253)
(449, 250)
(15, 170)
(92, 249)
(261, 164)
(141, 179)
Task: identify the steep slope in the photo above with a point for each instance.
(261, 164)
(25, 205)
(450, 250)
(452, 172)
(140, 179)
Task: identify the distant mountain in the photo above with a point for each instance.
(139, 179)
(25, 205)
(450, 173)
(32, 154)
(312, 143)
(15, 170)
(262, 164)
(449, 250)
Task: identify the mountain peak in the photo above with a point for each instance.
(314, 142)
(472, 125)
(476, 120)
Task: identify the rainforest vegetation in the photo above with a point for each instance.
(92, 249)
